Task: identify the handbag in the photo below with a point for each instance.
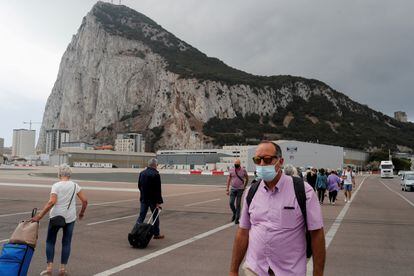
(60, 221)
(26, 232)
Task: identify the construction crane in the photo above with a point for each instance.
(30, 123)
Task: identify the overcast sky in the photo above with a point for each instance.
(363, 49)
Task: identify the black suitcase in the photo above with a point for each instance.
(142, 233)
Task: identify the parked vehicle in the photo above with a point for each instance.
(407, 181)
(387, 169)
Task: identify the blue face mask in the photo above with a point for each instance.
(267, 173)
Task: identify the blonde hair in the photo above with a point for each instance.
(64, 171)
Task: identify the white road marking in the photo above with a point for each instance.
(162, 251)
(112, 202)
(15, 214)
(201, 202)
(334, 228)
(83, 187)
(115, 219)
(400, 195)
(109, 220)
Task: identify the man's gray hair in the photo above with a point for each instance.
(152, 162)
(64, 171)
(291, 170)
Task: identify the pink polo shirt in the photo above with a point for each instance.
(277, 231)
(236, 182)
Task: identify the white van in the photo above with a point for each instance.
(387, 169)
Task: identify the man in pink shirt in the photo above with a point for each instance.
(272, 229)
(237, 179)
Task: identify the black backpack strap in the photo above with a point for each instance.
(74, 189)
(300, 193)
(252, 191)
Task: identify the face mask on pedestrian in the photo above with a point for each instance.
(267, 173)
(237, 166)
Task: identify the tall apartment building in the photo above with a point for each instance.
(1, 146)
(55, 138)
(23, 142)
(130, 142)
(400, 116)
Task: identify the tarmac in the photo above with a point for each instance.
(372, 235)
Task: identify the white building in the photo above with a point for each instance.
(130, 142)
(55, 138)
(23, 142)
(296, 153)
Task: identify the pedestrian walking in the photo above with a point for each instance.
(149, 185)
(62, 207)
(321, 185)
(236, 183)
(271, 233)
(311, 178)
(349, 182)
(333, 186)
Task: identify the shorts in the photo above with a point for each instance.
(348, 187)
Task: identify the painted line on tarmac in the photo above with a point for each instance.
(109, 220)
(15, 214)
(162, 251)
(400, 195)
(91, 204)
(334, 228)
(83, 187)
(115, 219)
(201, 202)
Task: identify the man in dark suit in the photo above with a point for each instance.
(149, 185)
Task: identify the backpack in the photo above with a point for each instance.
(300, 194)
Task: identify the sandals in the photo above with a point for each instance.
(63, 272)
(46, 273)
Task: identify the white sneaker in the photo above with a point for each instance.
(333, 203)
(345, 200)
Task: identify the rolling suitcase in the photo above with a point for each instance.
(142, 233)
(15, 259)
(16, 255)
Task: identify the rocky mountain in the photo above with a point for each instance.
(124, 72)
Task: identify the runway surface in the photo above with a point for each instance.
(372, 235)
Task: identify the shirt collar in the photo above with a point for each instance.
(279, 186)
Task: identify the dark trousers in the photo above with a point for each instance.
(321, 195)
(143, 212)
(52, 232)
(332, 196)
(236, 196)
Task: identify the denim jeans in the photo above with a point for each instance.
(52, 232)
(143, 213)
(236, 196)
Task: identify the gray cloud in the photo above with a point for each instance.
(360, 48)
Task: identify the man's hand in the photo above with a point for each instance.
(158, 206)
(36, 218)
(227, 192)
(81, 215)
(234, 274)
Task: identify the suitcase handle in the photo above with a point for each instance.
(152, 216)
(34, 211)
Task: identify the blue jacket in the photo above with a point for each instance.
(149, 185)
(321, 181)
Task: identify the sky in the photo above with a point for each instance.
(363, 49)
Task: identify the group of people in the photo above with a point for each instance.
(271, 233)
(326, 180)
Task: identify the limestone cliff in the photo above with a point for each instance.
(124, 72)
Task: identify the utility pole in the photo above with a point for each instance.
(30, 123)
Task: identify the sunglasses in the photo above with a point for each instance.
(266, 159)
